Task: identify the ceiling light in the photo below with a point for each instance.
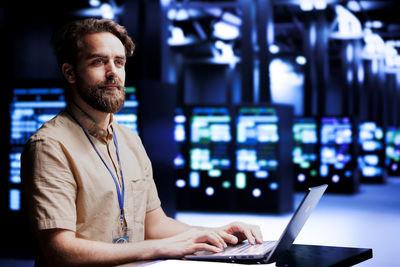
(225, 31)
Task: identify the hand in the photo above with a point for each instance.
(191, 241)
(236, 232)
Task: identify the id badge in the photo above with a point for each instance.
(121, 236)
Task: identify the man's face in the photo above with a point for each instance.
(100, 72)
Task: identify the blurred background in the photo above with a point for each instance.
(241, 105)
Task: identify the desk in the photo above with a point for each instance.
(308, 255)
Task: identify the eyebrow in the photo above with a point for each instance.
(103, 56)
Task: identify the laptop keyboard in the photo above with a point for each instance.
(247, 249)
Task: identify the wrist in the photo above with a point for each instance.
(159, 248)
(144, 250)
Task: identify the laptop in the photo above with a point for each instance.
(268, 251)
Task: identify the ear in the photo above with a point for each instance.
(68, 72)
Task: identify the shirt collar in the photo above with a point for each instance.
(90, 125)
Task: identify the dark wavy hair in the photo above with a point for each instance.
(67, 41)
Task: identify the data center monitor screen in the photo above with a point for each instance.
(336, 149)
(257, 154)
(305, 150)
(371, 154)
(229, 158)
(179, 138)
(128, 115)
(392, 142)
(29, 109)
(210, 136)
(203, 163)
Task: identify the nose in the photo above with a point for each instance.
(111, 70)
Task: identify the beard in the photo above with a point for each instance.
(102, 98)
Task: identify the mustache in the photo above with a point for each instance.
(115, 82)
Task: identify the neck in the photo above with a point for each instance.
(102, 119)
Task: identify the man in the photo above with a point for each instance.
(88, 179)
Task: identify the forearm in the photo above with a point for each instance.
(67, 250)
(62, 248)
(166, 227)
(158, 225)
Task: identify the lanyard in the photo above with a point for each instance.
(120, 194)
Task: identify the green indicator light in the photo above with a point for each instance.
(226, 184)
(130, 89)
(305, 165)
(214, 173)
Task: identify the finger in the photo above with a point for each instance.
(243, 232)
(249, 236)
(221, 239)
(231, 239)
(257, 234)
(251, 233)
(213, 239)
(206, 247)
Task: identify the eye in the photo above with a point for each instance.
(97, 62)
(120, 63)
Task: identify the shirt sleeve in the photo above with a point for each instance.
(153, 200)
(49, 185)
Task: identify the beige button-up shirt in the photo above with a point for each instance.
(69, 187)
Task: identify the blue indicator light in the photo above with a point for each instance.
(210, 191)
(371, 159)
(180, 119)
(15, 179)
(301, 177)
(180, 183)
(324, 170)
(194, 179)
(370, 171)
(261, 174)
(273, 163)
(256, 192)
(240, 180)
(394, 167)
(179, 161)
(273, 186)
(15, 199)
(179, 133)
(348, 173)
